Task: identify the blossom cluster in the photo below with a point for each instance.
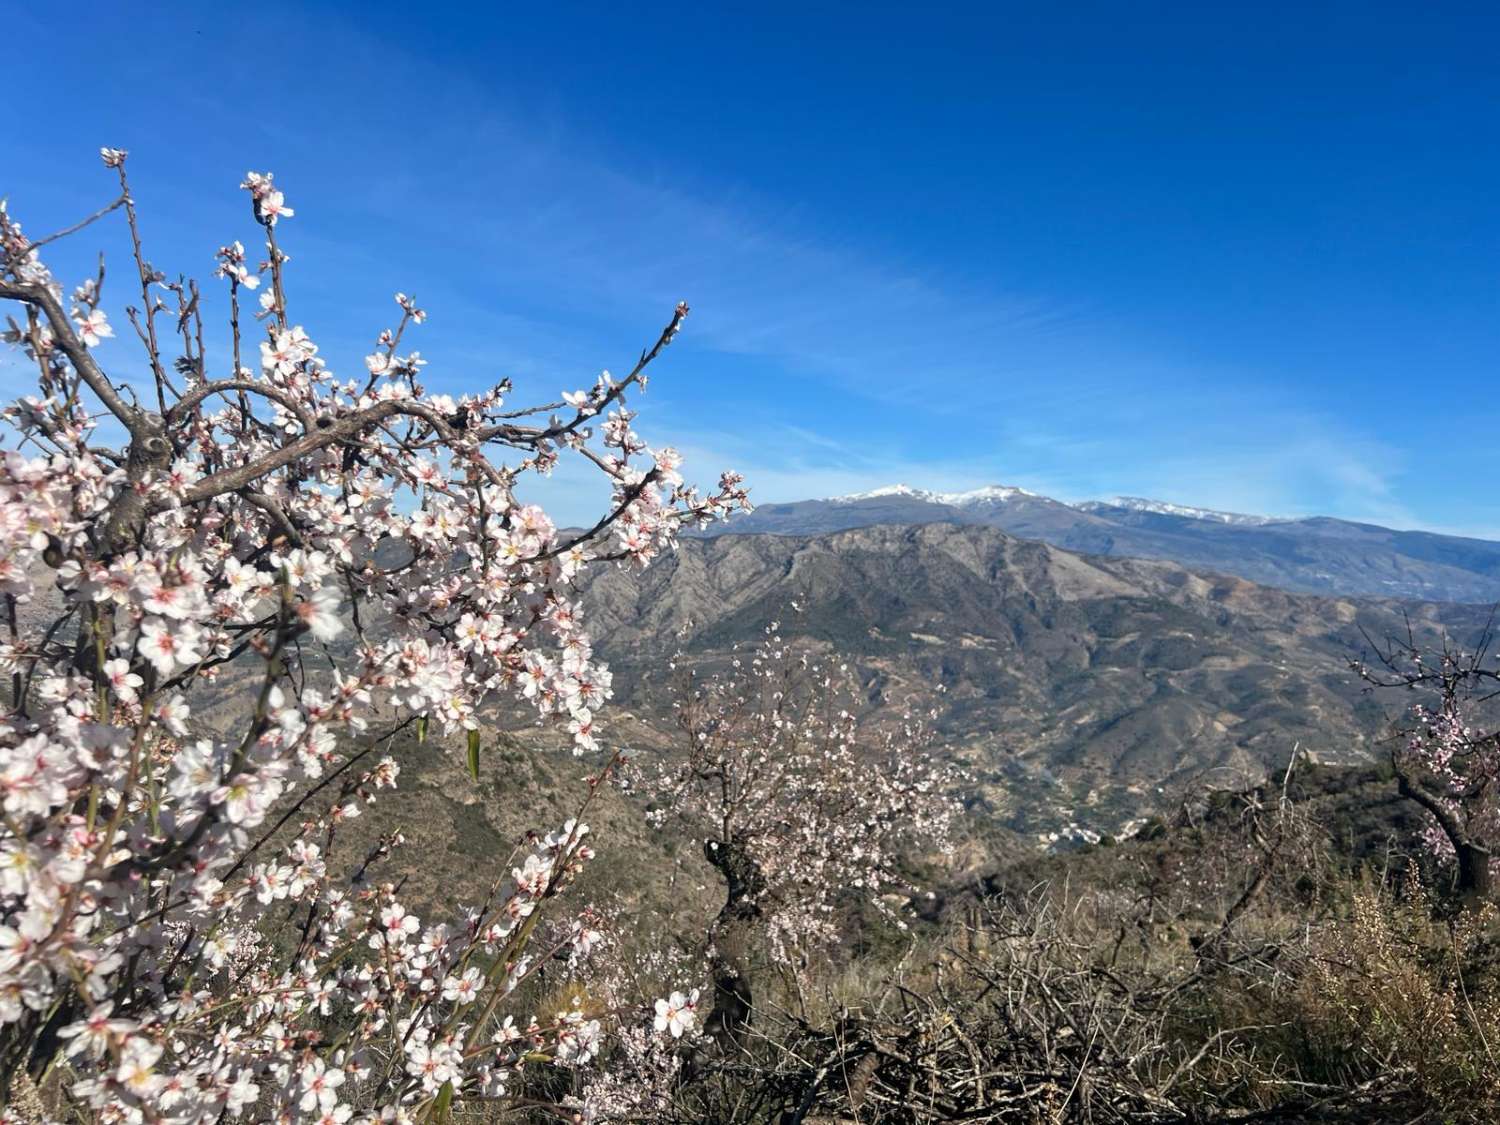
(350, 554)
(1446, 755)
(1461, 763)
(800, 795)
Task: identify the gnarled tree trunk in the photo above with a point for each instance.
(732, 937)
(1475, 885)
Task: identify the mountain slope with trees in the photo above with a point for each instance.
(1074, 688)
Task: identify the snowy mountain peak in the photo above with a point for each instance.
(999, 494)
(887, 490)
(1162, 508)
(989, 494)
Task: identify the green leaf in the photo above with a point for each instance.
(421, 729)
(474, 754)
(444, 1101)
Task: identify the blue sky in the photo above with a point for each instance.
(1241, 256)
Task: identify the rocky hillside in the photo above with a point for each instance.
(1081, 691)
(1316, 555)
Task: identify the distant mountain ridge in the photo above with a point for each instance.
(1316, 554)
(1070, 687)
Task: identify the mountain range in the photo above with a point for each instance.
(1310, 555)
(1079, 692)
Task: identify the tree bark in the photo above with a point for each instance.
(1474, 882)
(732, 937)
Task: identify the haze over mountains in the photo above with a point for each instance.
(1311, 555)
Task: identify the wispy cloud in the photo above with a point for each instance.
(816, 363)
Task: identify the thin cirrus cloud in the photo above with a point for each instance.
(493, 210)
(914, 352)
(620, 249)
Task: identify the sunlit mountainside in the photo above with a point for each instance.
(1313, 555)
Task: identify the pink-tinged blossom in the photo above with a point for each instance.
(578, 1039)
(273, 206)
(232, 266)
(463, 989)
(349, 554)
(93, 327)
(136, 1073)
(320, 1086)
(98, 1032)
(122, 681)
(169, 646)
(677, 1013)
(320, 613)
(270, 204)
(434, 1065)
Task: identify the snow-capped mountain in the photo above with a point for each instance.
(1318, 555)
(990, 493)
(1004, 493)
(1163, 508)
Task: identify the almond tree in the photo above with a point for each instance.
(798, 805)
(353, 547)
(1447, 752)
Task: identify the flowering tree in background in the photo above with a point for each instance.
(1447, 754)
(352, 547)
(796, 805)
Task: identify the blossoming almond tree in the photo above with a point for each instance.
(353, 545)
(1447, 753)
(796, 804)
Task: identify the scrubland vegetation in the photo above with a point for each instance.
(263, 615)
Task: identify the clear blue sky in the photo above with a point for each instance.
(1244, 256)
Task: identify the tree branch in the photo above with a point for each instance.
(194, 397)
(41, 297)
